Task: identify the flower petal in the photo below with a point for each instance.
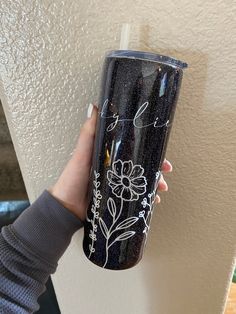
(139, 181)
(113, 178)
(138, 189)
(112, 185)
(137, 171)
(135, 196)
(118, 190)
(127, 167)
(117, 167)
(127, 194)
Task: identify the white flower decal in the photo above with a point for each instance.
(144, 202)
(127, 180)
(94, 210)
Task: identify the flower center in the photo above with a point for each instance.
(125, 181)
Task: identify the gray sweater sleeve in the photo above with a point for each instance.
(29, 251)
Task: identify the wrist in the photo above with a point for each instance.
(64, 201)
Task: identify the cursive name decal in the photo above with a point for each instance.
(138, 114)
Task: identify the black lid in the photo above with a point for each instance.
(150, 56)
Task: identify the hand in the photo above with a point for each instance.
(72, 186)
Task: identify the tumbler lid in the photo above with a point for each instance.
(149, 56)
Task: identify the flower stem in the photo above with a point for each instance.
(107, 248)
(110, 231)
(92, 221)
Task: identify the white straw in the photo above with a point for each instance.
(124, 37)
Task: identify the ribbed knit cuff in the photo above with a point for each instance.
(46, 227)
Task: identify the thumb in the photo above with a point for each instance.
(84, 147)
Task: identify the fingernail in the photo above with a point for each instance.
(90, 111)
(164, 184)
(158, 199)
(170, 165)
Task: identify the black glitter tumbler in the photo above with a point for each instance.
(137, 103)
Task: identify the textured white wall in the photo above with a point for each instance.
(50, 60)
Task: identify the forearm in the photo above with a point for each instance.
(30, 250)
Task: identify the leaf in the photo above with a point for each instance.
(111, 207)
(103, 227)
(127, 223)
(125, 236)
(98, 195)
(97, 175)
